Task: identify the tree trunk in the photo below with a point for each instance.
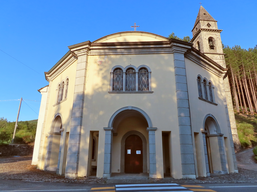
(238, 93)
(234, 90)
(243, 97)
(247, 94)
(253, 92)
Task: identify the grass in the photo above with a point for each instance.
(247, 130)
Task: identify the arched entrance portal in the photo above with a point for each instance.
(215, 157)
(129, 133)
(53, 150)
(133, 154)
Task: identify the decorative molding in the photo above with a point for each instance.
(204, 64)
(151, 129)
(60, 68)
(207, 101)
(108, 128)
(130, 92)
(149, 122)
(130, 51)
(80, 52)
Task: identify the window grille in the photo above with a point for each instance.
(143, 80)
(205, 89)
(210, 91)
(199, 84)
(130, 79)
(118, 80)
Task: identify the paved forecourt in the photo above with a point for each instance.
(172, 187)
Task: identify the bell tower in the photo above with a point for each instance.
(206, 37)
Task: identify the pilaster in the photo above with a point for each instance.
(152, 152)
(107, 152)
(76, 114)
(222, 152)
(228, 123)
(184, 117)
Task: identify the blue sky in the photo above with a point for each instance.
(34, 35)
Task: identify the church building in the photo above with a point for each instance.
(139, 103)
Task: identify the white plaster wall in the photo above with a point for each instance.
(40, 121)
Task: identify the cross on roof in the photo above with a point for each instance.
(135, 27)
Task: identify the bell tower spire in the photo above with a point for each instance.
(206, 36)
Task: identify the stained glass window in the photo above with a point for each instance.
(118, 80)
(143, 80)
(130, 79)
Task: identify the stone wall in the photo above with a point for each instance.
(16, 150)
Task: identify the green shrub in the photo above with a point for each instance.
(246, 133)
(255, 150)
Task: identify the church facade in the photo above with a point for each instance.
(137, 102)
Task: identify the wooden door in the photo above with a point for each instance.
(133, 154)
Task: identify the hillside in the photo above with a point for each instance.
(247, 130)
(25, 132)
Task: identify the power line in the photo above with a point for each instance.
(18, 100)
(19, 61)
(30, 107)
(10, 100)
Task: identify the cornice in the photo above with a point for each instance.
(204, 62)
(58, 69)
(204, 29)
(209, 59)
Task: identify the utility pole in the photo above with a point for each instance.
(16, 124)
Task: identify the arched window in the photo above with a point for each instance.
(143, 79)
(130, 79)
(211, 42)
(117, 80)
(199, 84)
(198, 46)
(61, 92)
(67, 85)
(210, 92)
(205, 89)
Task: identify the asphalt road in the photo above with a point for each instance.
(23, 186)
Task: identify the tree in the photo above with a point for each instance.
(173, 36)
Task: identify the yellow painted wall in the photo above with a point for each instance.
(199, 109)
(131, 37)
(161, 106)
(64, 107)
